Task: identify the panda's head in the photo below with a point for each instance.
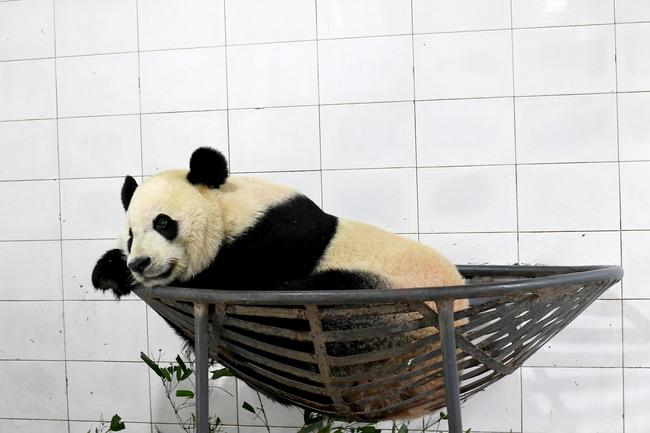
(173, 221)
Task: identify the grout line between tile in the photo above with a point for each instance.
(516, 161)
(329, 104)
(343, 38)
(620, 215)
(415, 132)
(146, 307)
(320, 135)
(60, 240)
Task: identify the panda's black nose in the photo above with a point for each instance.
(139, 264)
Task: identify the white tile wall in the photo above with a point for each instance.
(272, 75)
(180, 23)
(91, 27)
(400, 113)
(564, 60)
(463, 65)
(252, 21)
(26, 30)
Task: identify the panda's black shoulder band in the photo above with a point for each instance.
(208, 167)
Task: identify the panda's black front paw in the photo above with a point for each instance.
(111, 273)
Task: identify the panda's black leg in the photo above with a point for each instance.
(111, 273)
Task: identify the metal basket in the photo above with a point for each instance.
(365, 355)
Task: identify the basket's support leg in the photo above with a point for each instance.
(201, 367)
(452, 385)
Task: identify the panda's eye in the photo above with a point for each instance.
(166, 226)
(161, 221)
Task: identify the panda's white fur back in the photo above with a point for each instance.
(403, 262)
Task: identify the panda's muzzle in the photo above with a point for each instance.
(139, 264)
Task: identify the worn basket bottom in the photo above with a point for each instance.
(368, 359)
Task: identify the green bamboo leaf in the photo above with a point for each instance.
(248, 407)
(309, 428)
(116, 423)
(184, 393)
(181, 363)
(222, 372)
(152, 365)
(404, 428)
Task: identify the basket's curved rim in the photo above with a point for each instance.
(539, 277)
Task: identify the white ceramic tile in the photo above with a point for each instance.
(26, 29)
(463, 132)
(99, 146)
(17, 262)
(593, 339)
(169, 139)
(306, 182)
(636, 256)
(164, 343)
(633, 56)
(636, 339)
(344, 18)
(637, 394)
(92, 85)
(277, 414)
(96, 389)
(572, 249)
(180, 80)
(564, 60)
(79, 258)
(635, 195)
(32, 389)
(222, 400)
(467, 199)
(29, 150)
(274, 139)
(441, 16)
(561, 197)
(634, 126)
(365, 70)
(180, 23)
(475, 248)
(535, 13)
(95, 27)
(566, 128)
(33, 426)
(105, 331)
(459, 65)
(367, 135)
(251, 21)
(632, 10)
(496, 409)
(36, 218)
(84, 427)
(28, 89)
(25, 338)
(577, 400)
(91, 208)
(272, 75)
(386, 197)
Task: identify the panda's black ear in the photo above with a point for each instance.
(129, 187)
(208, 167)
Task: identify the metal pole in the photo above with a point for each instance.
(452, 385)
(201, 367)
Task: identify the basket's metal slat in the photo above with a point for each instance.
(321, 356)
(201, 368)
(400, 362)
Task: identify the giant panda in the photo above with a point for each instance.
(203, 228)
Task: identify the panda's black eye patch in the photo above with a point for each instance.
(129, 243)
(166, 226)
